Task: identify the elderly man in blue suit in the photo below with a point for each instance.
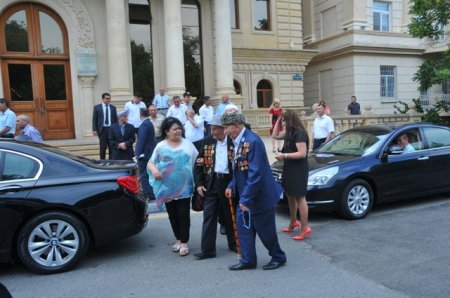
(257, 193)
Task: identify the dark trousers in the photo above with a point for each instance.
(318, 142)
(143, 178)
(262, 224)
(104, 143)
(207, 129)
(179, 216)
(216, 200)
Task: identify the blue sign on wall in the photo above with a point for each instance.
(297, 77)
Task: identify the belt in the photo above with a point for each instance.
(221, 175)
(320, 139)
(162, 108)
(8, 135)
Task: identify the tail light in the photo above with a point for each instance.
(130, 183)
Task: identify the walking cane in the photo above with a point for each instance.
(233, 218)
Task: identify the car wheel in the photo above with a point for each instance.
(52, 242)
(357, 199)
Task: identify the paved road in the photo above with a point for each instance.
(400, 250)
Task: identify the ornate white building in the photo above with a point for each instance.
(59, 56)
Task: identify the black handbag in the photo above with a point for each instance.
(197, 202)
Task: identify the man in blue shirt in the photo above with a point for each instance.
(161, 101)
(29, 132)
(223, 105)
(7, 120)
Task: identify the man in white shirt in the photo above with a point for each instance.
(177, 110)
(161, 102)
(187, 100)
(194, 128)
(156, 119)
(133, 108)
(323, 127)
(207, 112)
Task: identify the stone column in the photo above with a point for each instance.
(118, 51)
(174, 47)
(87, 104)
(224, 55)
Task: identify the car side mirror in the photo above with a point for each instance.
(394, 150)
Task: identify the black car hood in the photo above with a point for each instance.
(320, 160)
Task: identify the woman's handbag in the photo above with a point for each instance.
(197, 202)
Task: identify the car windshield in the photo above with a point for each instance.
(359, 143)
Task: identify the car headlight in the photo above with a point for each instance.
(322, 177)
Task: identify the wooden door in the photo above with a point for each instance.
(36, 68)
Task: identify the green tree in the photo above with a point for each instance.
(142, 65)
(429, 18)
(192, 66)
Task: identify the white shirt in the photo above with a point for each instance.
(207, 112)
(134, 112)
(322, 126)
(193, 133)
(177, 112)
(157, 123)
(221, 158)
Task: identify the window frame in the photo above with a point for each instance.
(382, 13)
(269, 17)
(236, 15)
(384, 82)
(3, 152)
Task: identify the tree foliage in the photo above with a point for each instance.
(142, 66)
(429, 19)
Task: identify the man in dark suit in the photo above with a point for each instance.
(121, 138)
(144, 150)
(212, 175)
(257, 193)
(104, 115)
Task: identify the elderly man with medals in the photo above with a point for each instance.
(212, 175)
(257, 193)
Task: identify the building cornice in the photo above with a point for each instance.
(272, 56)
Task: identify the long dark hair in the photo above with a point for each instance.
(292, 124)
(167, 124)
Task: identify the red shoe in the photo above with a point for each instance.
(303, 234)
(289, 229)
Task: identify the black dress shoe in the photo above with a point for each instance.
(202, 255)
(223, 230)
(240, 266)
(273, 265)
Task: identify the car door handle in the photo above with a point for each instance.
(423, 158)
(11, 188)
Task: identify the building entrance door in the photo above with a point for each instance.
(36, 68)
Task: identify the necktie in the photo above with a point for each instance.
(107, 115)
(122, 130)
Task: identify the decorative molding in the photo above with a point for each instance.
(268, 67)
(87, 81)
(84, 28)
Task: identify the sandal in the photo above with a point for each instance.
(176, 247)
(184, 251)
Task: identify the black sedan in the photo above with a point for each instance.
(375, 164)
(54, 205)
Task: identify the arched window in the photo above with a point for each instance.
(264, 94)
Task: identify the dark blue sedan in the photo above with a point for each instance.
(375, 164)
(54, 205)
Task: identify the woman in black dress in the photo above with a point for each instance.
(295, 171)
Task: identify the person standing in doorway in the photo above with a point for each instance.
(104, 115)
(161, 102)
(133, 108)
(323, 129)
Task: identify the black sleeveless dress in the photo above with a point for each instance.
(295, 171)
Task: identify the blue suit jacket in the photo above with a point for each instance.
(115, 137)
(252, 175)
(98, 117)
(145, 143)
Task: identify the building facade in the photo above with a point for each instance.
(59, 56)
(364, 50)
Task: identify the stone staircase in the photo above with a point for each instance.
(87, 147)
